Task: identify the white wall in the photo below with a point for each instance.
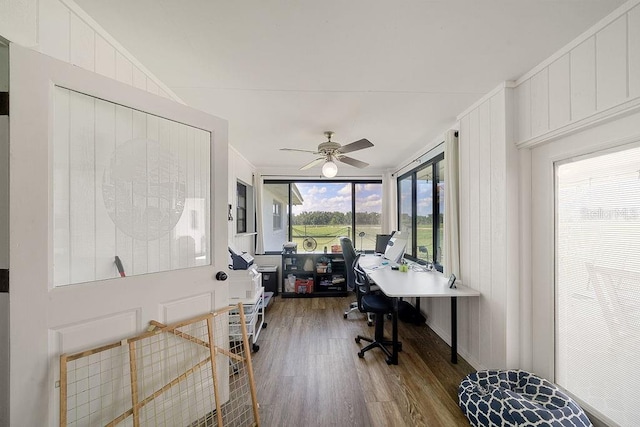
(59, 28)
(488, 235)
(590, 80)
(241, 170)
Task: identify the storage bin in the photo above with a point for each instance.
(304, 286)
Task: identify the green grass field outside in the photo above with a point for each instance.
(327, 235)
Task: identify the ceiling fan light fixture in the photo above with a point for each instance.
(329, 169)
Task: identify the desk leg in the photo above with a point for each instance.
(394, 333)
(454, 330)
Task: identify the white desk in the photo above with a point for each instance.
(417, 284)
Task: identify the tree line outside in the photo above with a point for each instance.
(335, 218)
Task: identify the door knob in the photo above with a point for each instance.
(221, 275)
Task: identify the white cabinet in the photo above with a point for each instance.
(254, 317)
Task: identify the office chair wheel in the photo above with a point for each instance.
(256, 348)
(264, 325)
(361, 354)
(369, 323)
(389, 362)
(357, 340)
(345, 315)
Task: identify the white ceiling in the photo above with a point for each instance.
(395, 72)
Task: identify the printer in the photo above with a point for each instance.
(239, 260)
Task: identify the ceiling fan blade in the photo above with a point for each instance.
(313, 163)
(295, 149)
(353, 162)
(355, 146)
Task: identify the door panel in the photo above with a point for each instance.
(47, 320)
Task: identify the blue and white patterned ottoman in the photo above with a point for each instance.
(517, 398)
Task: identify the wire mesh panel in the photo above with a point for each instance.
(168, 376)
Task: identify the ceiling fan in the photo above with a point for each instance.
(331, 151)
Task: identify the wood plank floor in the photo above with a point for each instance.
(308, 372)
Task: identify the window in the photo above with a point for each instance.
(597, 282)
(144, 196)
(421, 210)
(368, 219)
(277, 215)
(319, 212)
(241, 210)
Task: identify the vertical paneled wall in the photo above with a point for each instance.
(586, 82)
(62, 30)
(488, 233)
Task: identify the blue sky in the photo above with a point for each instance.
(424, 197)
(332, 197)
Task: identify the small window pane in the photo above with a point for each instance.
(277, 215)
(424, 218)
(406, 205)
(368, 215)
(241, 210)
(323, 216)
(439, 253)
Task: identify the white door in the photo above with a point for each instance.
(582, 232)
(155, 196)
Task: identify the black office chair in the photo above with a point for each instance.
(349, 254)
(375, 303)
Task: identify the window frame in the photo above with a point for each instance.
(277, 215)
(411, 252)
(289, 212)
(241, 208)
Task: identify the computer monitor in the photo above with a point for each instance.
(381, 243)
(395, 247)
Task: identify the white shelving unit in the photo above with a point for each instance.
(254, 317)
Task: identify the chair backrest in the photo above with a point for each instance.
(363, 285)
(349, 254)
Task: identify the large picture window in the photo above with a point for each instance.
(314, 214)
(421, 211)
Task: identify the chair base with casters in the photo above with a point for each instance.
(354, 307)
(378, 305)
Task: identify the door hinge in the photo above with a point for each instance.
(4, 103)
(4, 280)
